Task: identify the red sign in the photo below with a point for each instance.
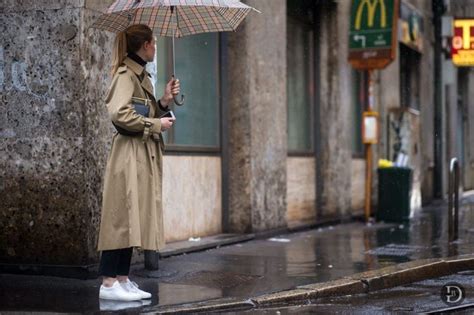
(462, 45)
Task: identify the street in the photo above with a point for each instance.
(419, 297)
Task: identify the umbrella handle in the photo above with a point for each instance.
(178, 102)
(175, 97)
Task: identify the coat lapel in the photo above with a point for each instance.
(141, 73)
(146, 84)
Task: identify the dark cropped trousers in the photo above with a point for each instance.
(115, 262)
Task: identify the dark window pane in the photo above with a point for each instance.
(300, 85)
(197, 66)
(359, 99)
(409, 77)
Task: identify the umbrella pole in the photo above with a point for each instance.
(176, 101)
(174, 63)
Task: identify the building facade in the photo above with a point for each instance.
(269, 136)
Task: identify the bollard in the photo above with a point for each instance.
(453, 200)
(152, 260)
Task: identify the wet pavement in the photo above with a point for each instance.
(257, 267)
(418, 297)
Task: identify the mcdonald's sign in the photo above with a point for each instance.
(372, 34)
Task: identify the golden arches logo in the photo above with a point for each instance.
(371, 6)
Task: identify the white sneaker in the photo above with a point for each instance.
(132, 287)
(118, 293)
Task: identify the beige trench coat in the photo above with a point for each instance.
(132, 214)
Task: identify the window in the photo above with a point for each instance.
(197, 67)
(409, 77)
(360, 83)
(300, 86)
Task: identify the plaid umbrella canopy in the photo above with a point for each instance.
(174, 18)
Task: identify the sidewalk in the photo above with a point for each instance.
(281, 269)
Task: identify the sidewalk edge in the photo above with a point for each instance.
(365, 282)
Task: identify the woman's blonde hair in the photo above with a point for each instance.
(129, 41)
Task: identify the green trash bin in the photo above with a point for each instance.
(394, 194)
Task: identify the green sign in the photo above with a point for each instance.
(372, 32)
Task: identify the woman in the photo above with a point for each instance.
(132, 203)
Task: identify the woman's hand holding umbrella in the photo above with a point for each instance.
(171, 90)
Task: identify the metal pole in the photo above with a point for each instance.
(456, 200)
(368, 153)
(453, 201)
(450, 205)
(172, 41)
(368, 181)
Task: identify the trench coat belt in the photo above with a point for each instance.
(153, 136)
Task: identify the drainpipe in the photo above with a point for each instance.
(438, 10)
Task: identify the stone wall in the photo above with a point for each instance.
(42, 135)
(51, 77)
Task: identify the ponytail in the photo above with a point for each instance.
(129, 40)
(120, 51)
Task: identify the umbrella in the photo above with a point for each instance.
(174, 18)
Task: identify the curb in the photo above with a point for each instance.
(360, 283)
(225, 304)
(222, 240)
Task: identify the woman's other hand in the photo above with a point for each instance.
(166, 123)
(171, 89)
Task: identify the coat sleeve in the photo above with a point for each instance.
(160, 109)
(119, 106)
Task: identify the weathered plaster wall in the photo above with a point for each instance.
(301, 188)
(469, 135)
(358, 186)
(192, 204)
(257, 119)
(332, 129)
(426, 147)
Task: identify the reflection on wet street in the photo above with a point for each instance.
(259, 266)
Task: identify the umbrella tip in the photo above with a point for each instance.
(257, 10)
